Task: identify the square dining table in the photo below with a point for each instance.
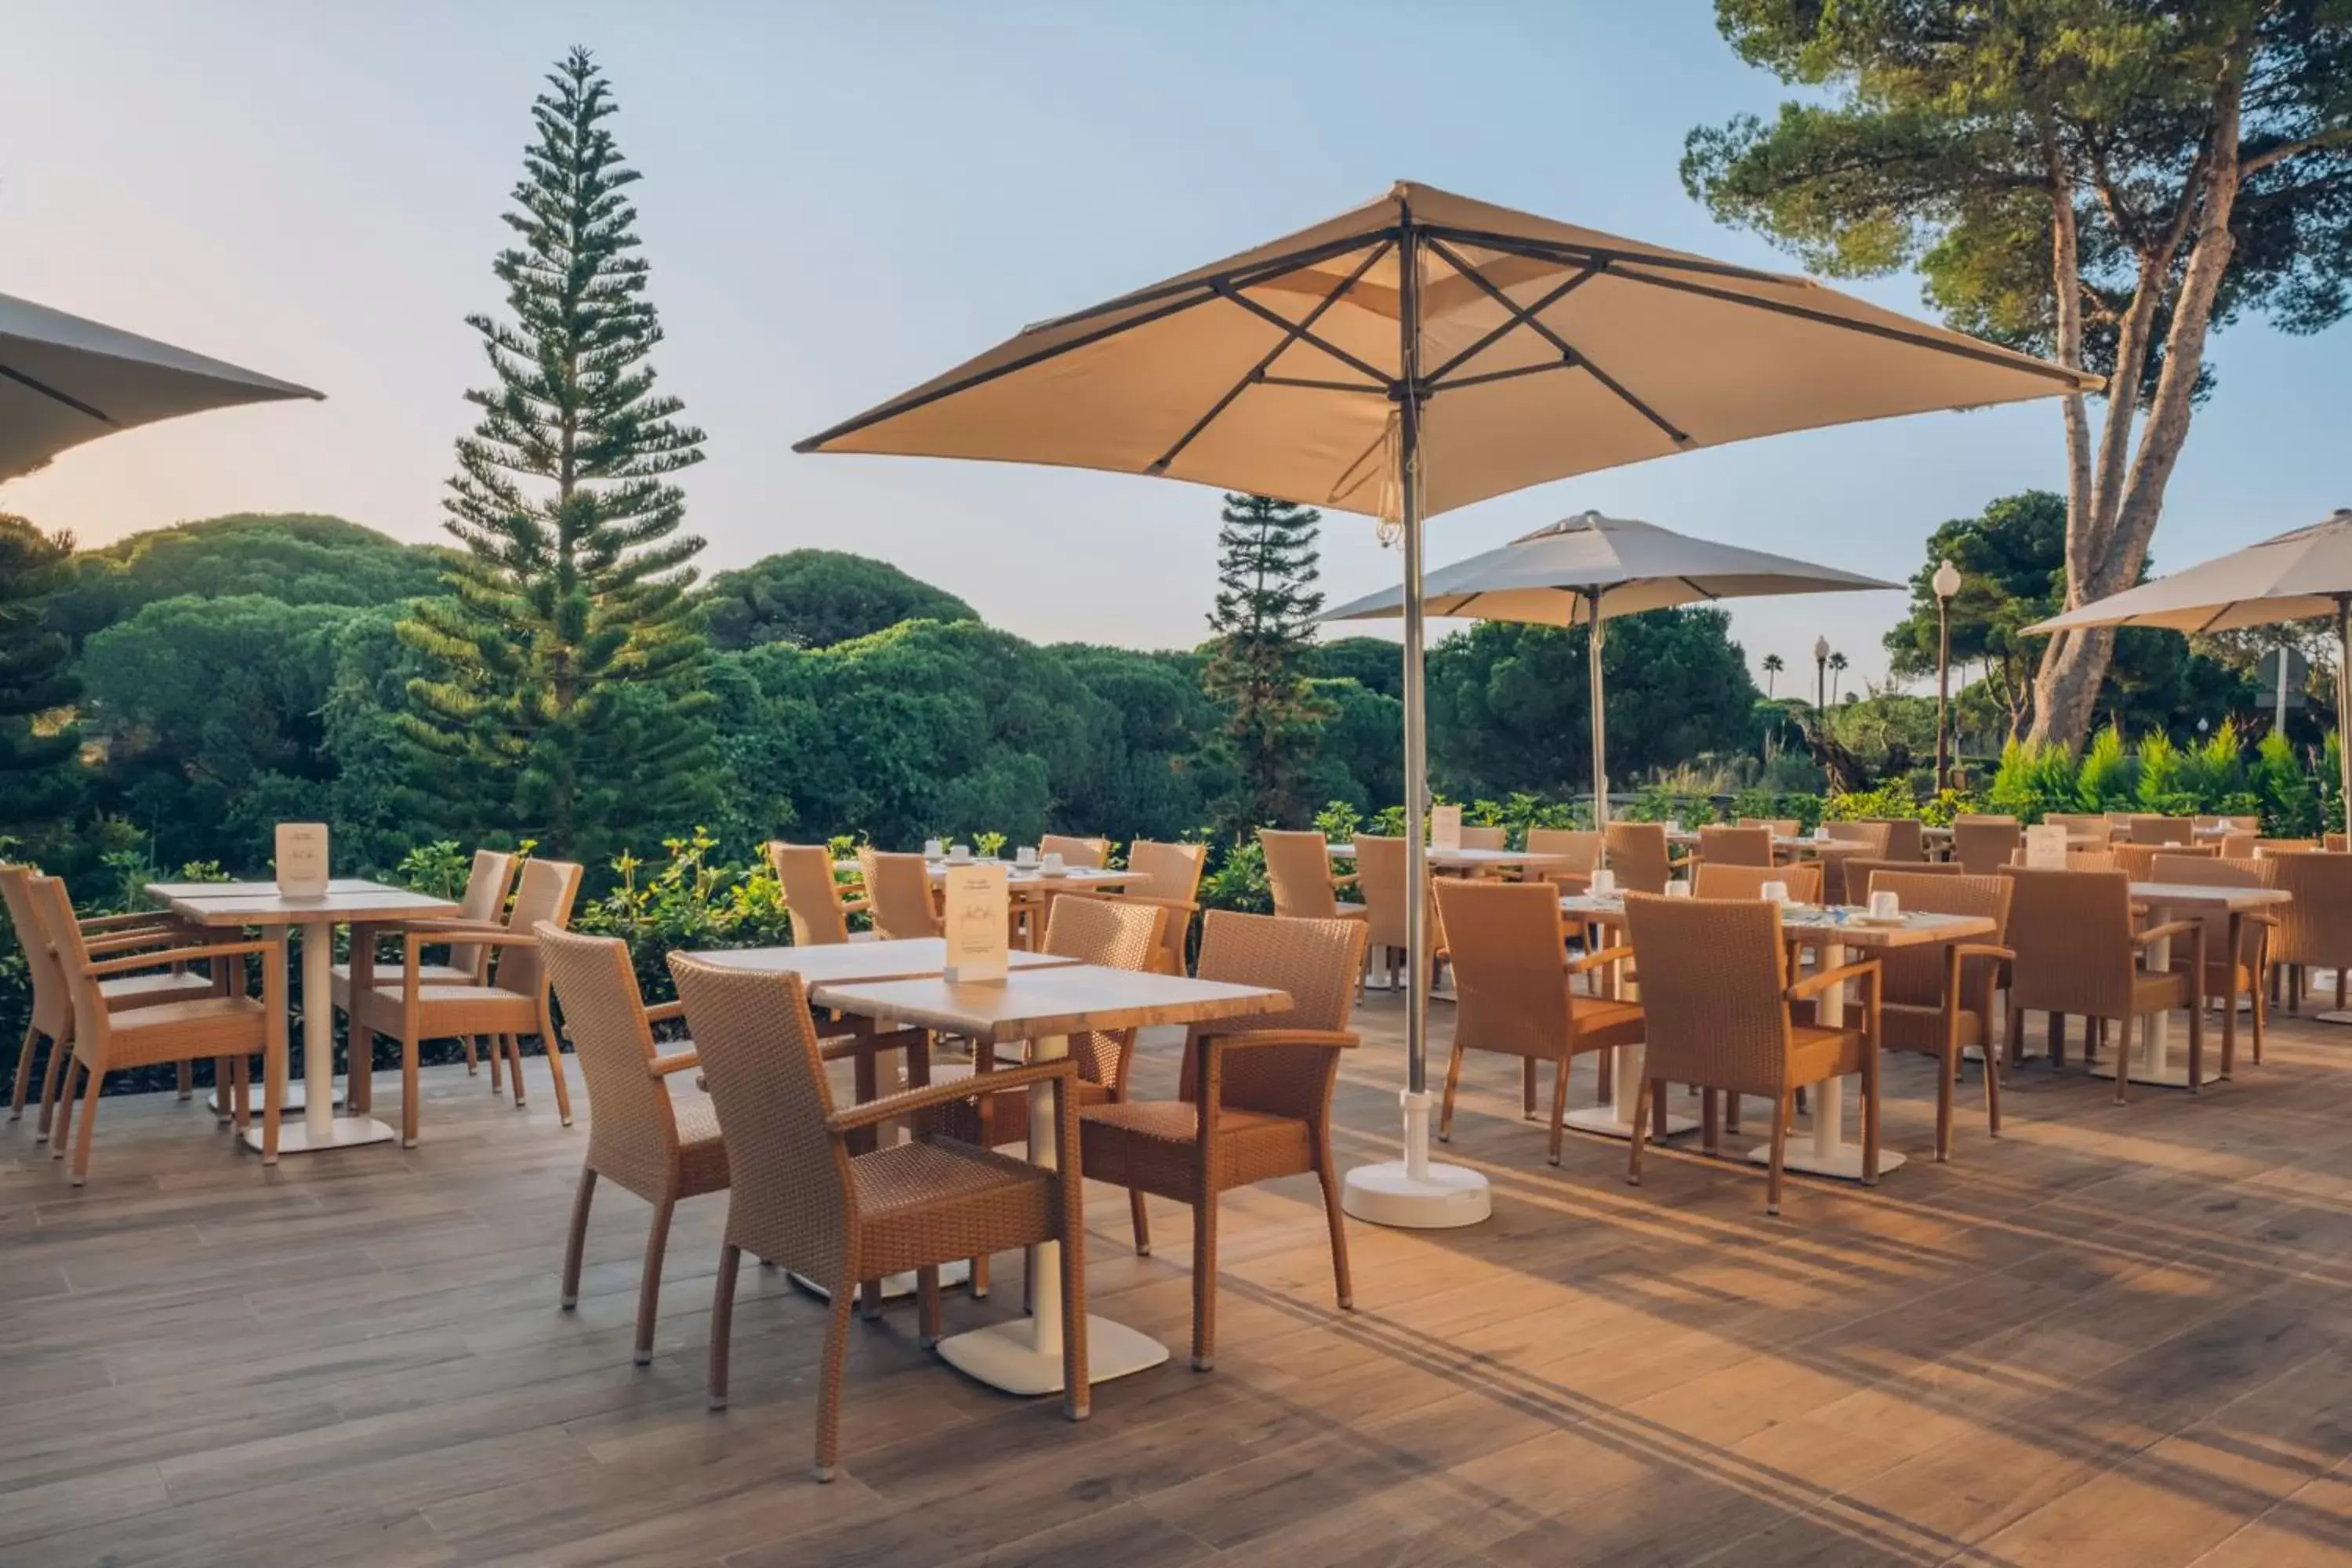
(355, 901)
(1043, 1007)
(2152, 1060)
(1478, 860)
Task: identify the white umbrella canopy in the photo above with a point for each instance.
(2299, 575)
(65, 380)
(1590, 569)
(1414, 355)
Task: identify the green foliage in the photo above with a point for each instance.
(2159, 774)
(1372, 663)
(1892, 799)
(439, 869)
(1263, 624)
(2107, 779)
(815, 598)
(2213, 772)
(39, 785)
(1237, 882)
(1948, 805)
(570, 698)
(1804, 807)
(686, 900)
(1656, 803)
(2035, 778)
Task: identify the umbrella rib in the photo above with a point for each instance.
(1257, 372)
(1227, 291)
(1569, 350)
(1437, 377)
(1245, 277)
(45, 390)
(1696, 589)
(1459, 381)
(1598, 255)
(1312, 384)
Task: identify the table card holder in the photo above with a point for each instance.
(978, 931)
(302, 859)
(1445, 827)
(2045, 846)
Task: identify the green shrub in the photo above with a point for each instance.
(2105, 781)
(1892, 799)
(684, 901)
(2160, 775)
(2214, 770)
(2034, 779)
(1237, 882)
(1656, 803)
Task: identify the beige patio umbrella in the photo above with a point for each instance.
(1588, 569)
(1420, 352)
(2300, 575)
(65, 380)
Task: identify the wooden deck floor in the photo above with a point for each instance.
(2114, 1336)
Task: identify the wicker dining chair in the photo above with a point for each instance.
(1938, 1000)
(1639, 856)
(2314, 929)
(512, 1003)
(1905, 839)
(1735, 846)
(2077, 954)
(483, 902)
(2230, 974)
(2239, 844)
(1257, 1093)
(1718, 1003)
(2336, 843)
(231, 1026)
(1848, 841)
(2173, 830)
(1172, 881)
(1090, 930)
(2137, 859)
(814, 897)
(1298, 873)
(1859, 871)
(1710, 880)
(799, 1198)
(1381, 883)
(898, 893)
(1515, 997)
(51, 1018)
(1094, 853)
(1780, 827)
(1983, 845)
(661, 1146)
(1580, 847)
(1476, 838)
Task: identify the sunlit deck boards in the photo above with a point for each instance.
(2114, 1337)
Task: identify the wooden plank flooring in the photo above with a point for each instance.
(2114, 1337)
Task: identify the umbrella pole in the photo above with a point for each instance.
(1599, 721)
(1411, 1192)
(2343, 705)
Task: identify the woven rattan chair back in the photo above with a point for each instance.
(1735, 846)
(545, 894)
(1904, 840)
(1637, 854)
(53, 915)
(1983, 845)
(2210, 870)
(898, 890)
(2239, 844)
(812, 897)
(2162, 831)
(1580, 847)
(1871, 836)
(484, 900)
(1485, 837)
(1380, 884)
(790, 1200)
(1298, 870)
(1172, 870)
(1859, 873)
(2315, 928)
(1781, 826)
(1712, 881)
(52, 992)
(1074, 851)
(2138, 860)
(1117, 936)
(1317, 963)
(2093, 823)
(632, 1126)
(1712, 973)
(2072, 932)
(1510, 988)
(1915, 977)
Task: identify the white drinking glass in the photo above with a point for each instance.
(1054, 863)
(1884, 905)
(1774, 892)
(933, 849)
(1026, 855)
(1603, 883)
(959, 853)
(1679, 888)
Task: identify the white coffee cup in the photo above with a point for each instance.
(1884, 905)
(1603, 883)
(1679, 888)
(1774, 892)
(1821, 834)
(959, 853)
(933, 849)
(1673, 825)
(1054, 863)
(1026, 855)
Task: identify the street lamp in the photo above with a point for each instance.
(1946, 582)
(1820, 674)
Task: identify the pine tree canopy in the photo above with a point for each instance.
(1257, 667)
(572, 660)
(38, 781)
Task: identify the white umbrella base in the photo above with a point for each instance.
(1840, 1161)
(1442, 1197)
(1005, 1356)
(1609, 1123)
(341, 1133)
(2174, 1071)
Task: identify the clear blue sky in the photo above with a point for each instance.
(842, 200)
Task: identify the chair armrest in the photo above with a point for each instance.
(1983, 950)
(118, 922)
(1257, 1039)
(468, 929)
(857, 906)
(1815, 983)
(906, 1101)
(1622, 953)
(847, 1044)
(1153, 899)
(414, 942)
(121, 940)
(2256, 917)
(678, 1061)
(665, 1011)
(2166, 931)
(182, 956)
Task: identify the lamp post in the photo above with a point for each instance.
(1946, 582)
(1820, 674)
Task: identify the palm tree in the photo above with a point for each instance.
(1773, 666)
(1837, 668)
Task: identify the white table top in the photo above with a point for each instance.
(1069, 999)
(1471, 860)
(2198, 896)
(1029, 876)
(858, 963)
(1815, 922)
(260, 903)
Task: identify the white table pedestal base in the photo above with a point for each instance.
(1615, 1120)
(2332, 1016)
(1412, 1194)
(319, 1128)
(2155, 1062)
(1006, 1355)
(894, 1287)
(303, 1136)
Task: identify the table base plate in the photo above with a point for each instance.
(2175, 1069)
(1604, 1120)
(894, 1287)
(1842, 1163)
(1388, 1194)
(2331, 1017)
(296, 1101)
(295, 1137)
(1005, 1356)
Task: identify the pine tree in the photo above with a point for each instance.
(1263, 621)
(571, 692)
(39, 780)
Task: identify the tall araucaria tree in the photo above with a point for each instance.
(39, 778)
(569, 695)
(2103, 181)
(1265, 622)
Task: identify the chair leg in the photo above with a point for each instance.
(512, 1045)
(1784, 1110)
(1658, 1122)
(1732, 1099)
(1605, 1088)
(2058, 1041)
(649, 1281)
(241, 1071)
(1710, 1121)
(53, 1078)
(473, 1057)
(1873, 1065)
(188, 1075)
(2122, 1058)
(828, 1399)
(1143, 1218)
(1204, 1283)
(409, 1089)
(2261, 1020)
(497, 1064)
(92, 1079)
(1559, 1103)
(723, 1322)
(1342, 1280)
(2196, 1043)
(977, 1287)
(554, 1044)
(1992, 1090)
(575, 1241)
(1947, 1078)
(926, 1306)
(1527, 1088)
(2013, 1033)
(1640, 1140)
(24, 1074)
(1453, 1080)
